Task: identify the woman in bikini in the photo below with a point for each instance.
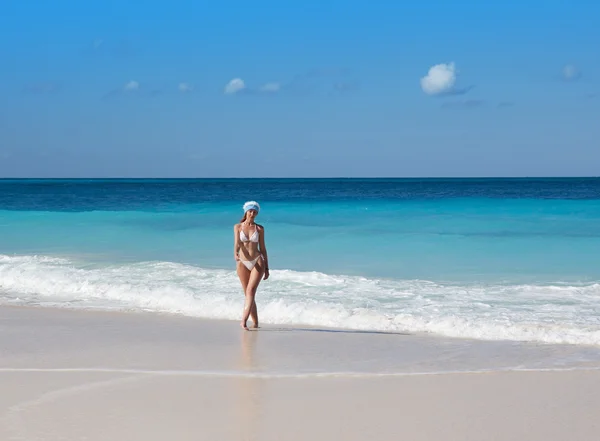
(250, 253)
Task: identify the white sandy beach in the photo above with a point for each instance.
(74, 375)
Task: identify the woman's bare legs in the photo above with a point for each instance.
(250, 308)
(254, 314)
(249, 285)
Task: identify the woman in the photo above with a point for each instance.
(250, 253)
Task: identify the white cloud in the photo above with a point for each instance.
(185, 87)
(131, 86)
(439, 79)
(270, 87)
(234, 86)
(570, 72)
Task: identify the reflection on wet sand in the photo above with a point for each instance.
(249, 390)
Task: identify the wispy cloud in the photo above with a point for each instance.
(238, 86)
(570, 72)
(325, 81)
(129, 88)
(135, 88)
(270, 87)
(234, 86)
(185, 87)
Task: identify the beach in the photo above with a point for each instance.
(433, 309)
(98, 375)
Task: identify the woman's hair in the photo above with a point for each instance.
(244, 218)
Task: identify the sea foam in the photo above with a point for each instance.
(549, 313)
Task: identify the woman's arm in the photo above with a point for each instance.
(263, 250)
(236, 242)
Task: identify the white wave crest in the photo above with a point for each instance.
(544, 313)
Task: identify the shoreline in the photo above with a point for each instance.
(97, 375)
(309, 350)
(125, 312)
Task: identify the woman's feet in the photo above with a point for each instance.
(245, 326)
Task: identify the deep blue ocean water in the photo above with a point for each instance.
(483, 258)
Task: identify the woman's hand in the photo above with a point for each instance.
(266, 276)
(236, 257)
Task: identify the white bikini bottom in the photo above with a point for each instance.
(250, 263)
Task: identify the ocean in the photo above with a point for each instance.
(488, 259)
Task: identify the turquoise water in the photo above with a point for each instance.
(482, 258)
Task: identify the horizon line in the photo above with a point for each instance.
(297, 177)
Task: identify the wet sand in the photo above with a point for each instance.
(73, 375)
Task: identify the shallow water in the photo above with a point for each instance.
(491, 259)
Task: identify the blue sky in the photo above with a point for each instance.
(328, 88)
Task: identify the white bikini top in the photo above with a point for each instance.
(253, 238)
